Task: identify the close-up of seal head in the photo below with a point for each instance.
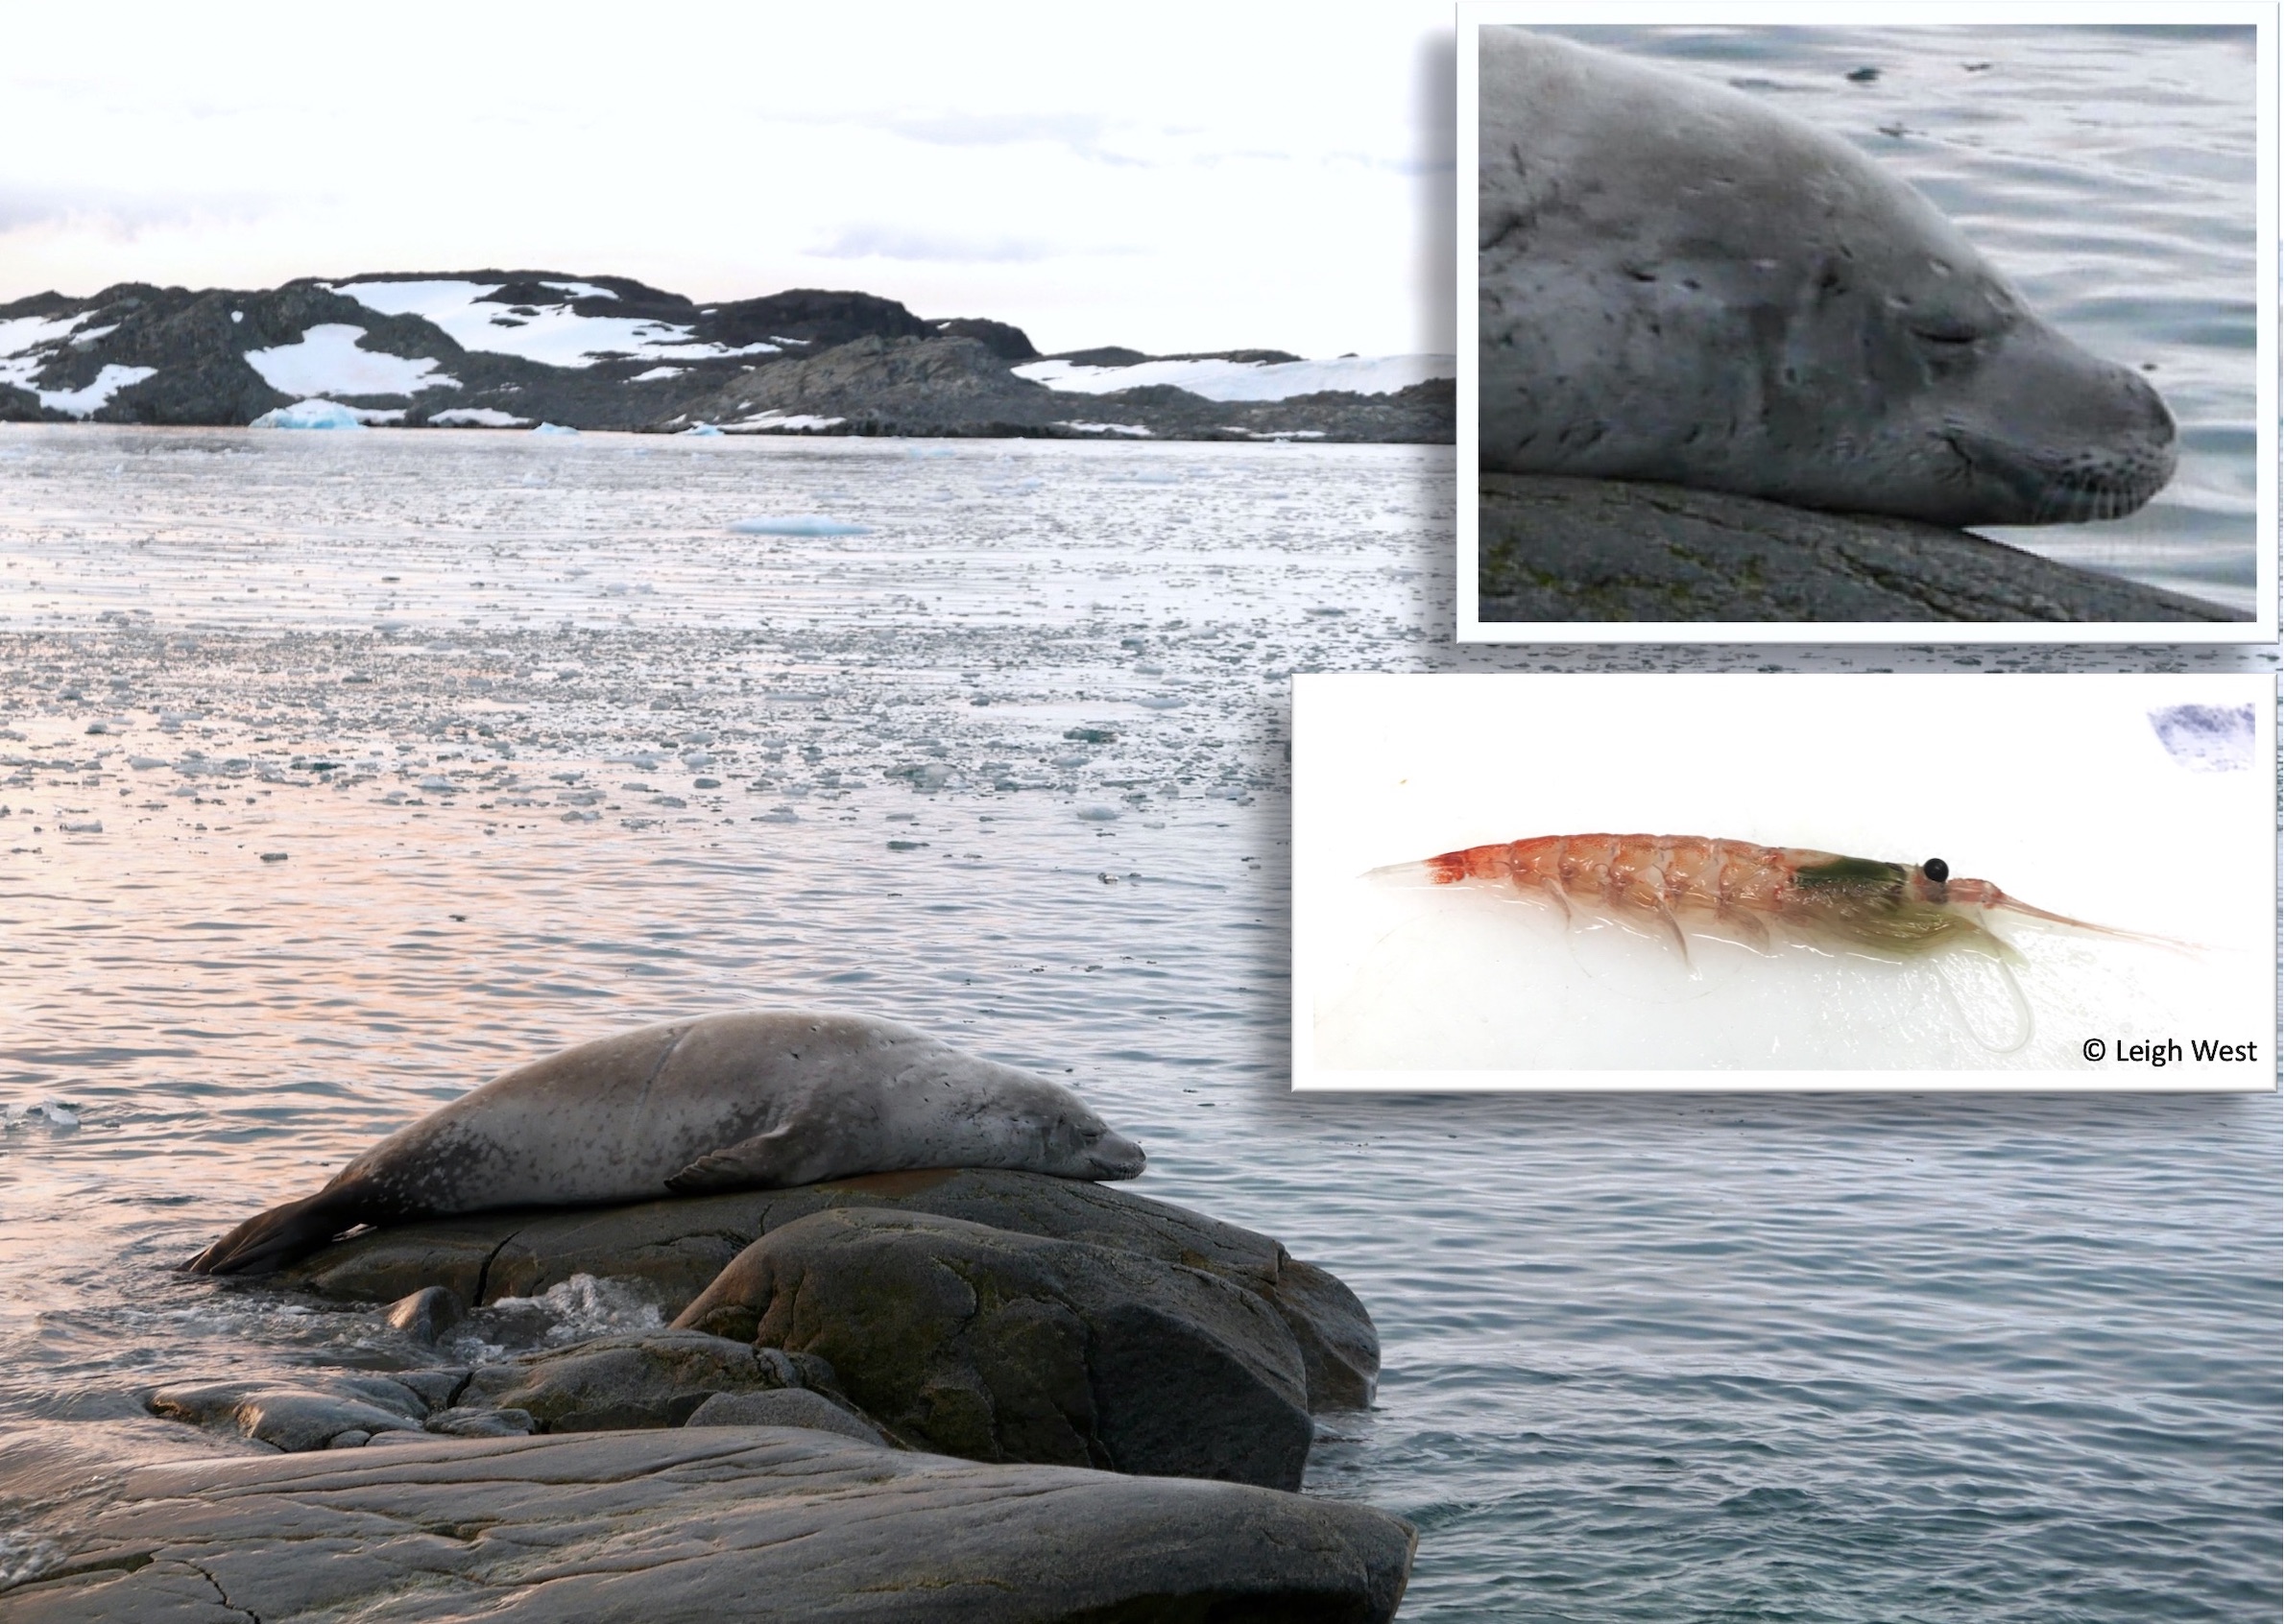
(1677, 282)
(759, 1100)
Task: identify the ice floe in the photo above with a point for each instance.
(1247, 380)
(1134, 430)
(475, 416)
(555, 428)
(328, 361)
(798, 524)
(554, 335)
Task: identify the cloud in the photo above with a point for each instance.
(900, 242)
(25, 209)
(1079, 134)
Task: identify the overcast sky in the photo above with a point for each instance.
(1163, 175)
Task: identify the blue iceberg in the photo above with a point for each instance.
(309, 415)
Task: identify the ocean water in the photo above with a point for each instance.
(542, 749)
(2110, 172)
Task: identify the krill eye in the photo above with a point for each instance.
(1936, 869)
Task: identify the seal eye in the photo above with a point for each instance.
(1936, 869)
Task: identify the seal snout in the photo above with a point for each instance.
(1113, 1155)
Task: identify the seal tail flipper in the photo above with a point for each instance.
(758, 1164)
(270, 1240)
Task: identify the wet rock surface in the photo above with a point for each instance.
(996, 1346)
(675, 1249)
(1555, 549)
(698, 1523)
(655, 1379)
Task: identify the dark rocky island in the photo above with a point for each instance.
(517, 349)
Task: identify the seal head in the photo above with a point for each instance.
(1677, 282)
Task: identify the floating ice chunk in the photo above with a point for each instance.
(2208, 738)
(798, 524)
(1133, 431)
(82, 826)
(475, 416)
(1098, 814)
(1161, 702)
(327, 360)
(1248, 380)
(144, 763)
(554, 428)
(702, 429)
(86, 402)
(309, 415)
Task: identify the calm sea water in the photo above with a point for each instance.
(601, 761)
(2110, 174)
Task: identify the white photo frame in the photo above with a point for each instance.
(2262, 474)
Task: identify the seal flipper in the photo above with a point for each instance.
(759, 1164)
(270, 1240)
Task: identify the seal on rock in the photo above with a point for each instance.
(745, 1101)
(1677, 282)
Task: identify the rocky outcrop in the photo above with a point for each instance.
(674, 1249)
(698, 1524)
(997, 1345)
(994, 1315)
(1575, 550)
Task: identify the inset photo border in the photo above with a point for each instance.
(1717, 882)
(1952, 325)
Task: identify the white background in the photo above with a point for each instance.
(2054, 788)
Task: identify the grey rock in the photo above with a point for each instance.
(433, 1388)
(675, 1249)
(427, 1314)
(697, 1526)
(655, 1378)
(293, 1418)
(1577, 549)
(995, 1345)
(480, 1421)
(789, 1406)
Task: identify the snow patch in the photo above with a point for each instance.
(766, 422)
(658, 372)
(474, 417)
(1247, 380)
(580, 290)
(553, 335)
(328, 360)
(84, 402)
